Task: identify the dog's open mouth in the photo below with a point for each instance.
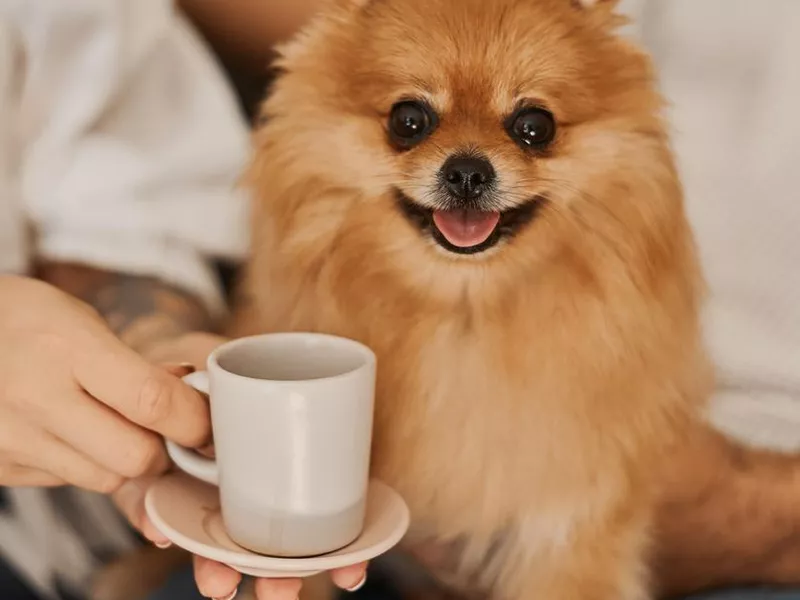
(464, 227)
(467, 230)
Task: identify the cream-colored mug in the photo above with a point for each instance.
(291, 415)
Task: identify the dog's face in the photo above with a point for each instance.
(476, 100)
(474, 133)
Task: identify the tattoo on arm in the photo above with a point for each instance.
(140, 310)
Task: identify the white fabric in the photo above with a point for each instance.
(120, 142)
(120, 147)
(12, 244)
(730, 70)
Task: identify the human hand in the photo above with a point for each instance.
(78, 406)
(187, 349)
(214, 580)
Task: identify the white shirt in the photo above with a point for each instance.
(120, 147)
(120, 142)
(730, 71)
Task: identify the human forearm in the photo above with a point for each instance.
(728, 516)
(142, 311)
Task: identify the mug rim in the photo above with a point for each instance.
(369, 359)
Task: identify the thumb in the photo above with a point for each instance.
(143, 393)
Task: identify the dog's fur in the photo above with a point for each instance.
(527, 394)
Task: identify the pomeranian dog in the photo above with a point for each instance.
(484, 193)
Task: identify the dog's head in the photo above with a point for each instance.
(439, 138)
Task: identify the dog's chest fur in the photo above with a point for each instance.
(474, 423)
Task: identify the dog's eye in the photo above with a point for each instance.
(532, 127)
(410, 123)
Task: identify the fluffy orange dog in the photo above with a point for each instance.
(483, 192)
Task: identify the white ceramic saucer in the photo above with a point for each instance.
(187, 512)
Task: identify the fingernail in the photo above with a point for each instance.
(230, 596)
(359, 585)
(162, 545)
(208, 450)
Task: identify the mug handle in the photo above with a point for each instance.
(189, 461)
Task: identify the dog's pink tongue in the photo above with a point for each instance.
(465, 228)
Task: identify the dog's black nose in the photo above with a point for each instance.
(467, 177)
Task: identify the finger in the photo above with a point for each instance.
(149, 531)
(215, 580)
(108, 438)
(77, 469)
(278, 589)
(144, 394)
(129, 499)
(19, 476)
(181, 370)
(350, 578)
(40, 450)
